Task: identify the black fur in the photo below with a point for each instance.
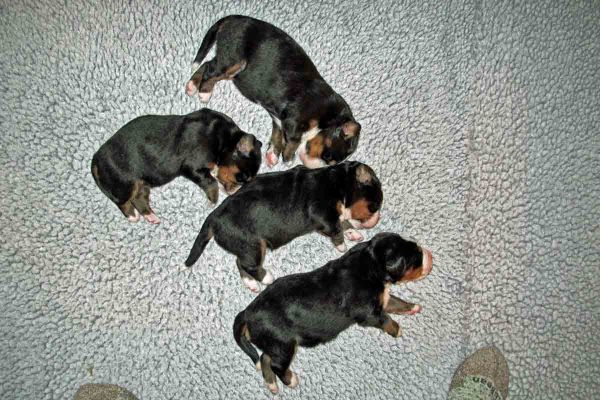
(311, 308)
(271, 69)
(278, 207)
(152, 150)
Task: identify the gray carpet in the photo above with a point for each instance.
(481, 119)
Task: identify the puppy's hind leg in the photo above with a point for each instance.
(276, 145)
(268, 374)
(141, 202)
(117, 190)
(250, 266)
(129, 211)
(281, 357)
(206, 77)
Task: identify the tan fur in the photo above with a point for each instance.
(316, 147)
(360, 210)
(384, 297)
(364, 174)
(226, 175)
(413, 275)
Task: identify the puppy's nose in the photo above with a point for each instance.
(427, 261)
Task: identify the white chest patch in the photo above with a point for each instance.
(308, 161)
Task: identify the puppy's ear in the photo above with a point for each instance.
(384, 249)
(351, 129)
(364, 174)
(245, 145)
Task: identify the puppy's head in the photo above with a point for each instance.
(331, 145)
(403, 260)
(363, 196)
(240, 164)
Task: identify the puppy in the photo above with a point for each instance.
(312, 308)
(153, 150)
(278, 207)
(271, 69)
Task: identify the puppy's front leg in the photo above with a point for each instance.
(396, 305)
(383, 322)
(351, 233)
(293, 136)
(207, 183)
(334, 231)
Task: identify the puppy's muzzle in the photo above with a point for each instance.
(372, 221)
(427, 262)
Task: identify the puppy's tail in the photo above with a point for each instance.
(206, 233)
(242, 337)
(208, 41)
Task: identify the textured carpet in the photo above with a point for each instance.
(482, 120)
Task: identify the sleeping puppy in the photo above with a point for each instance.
(271, 69)
(311, 308)
(278, 207)
(152, 150)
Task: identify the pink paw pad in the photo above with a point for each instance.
(251, 284)
(273, 388)
(415, 310)
(190, 88)
(354, 235)
(272, 159)
(152, 218)
(204, 96)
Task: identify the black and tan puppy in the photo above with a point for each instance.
(278, 207)
(153, 150)
(271, 69)
(311, 308)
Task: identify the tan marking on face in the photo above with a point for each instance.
(226, 175)
(350, 129)
(316, 147)
(211, 165)
(413, 274)
(364, 174)
(360, 210)
(384, 297)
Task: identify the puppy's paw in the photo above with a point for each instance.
(273, 387)
(415, 310)
(212, 193)
(190, 88)
(341, 248)
(133, 218)
(258, 366)
(398, 332)
(354, 235)
(294, 381)
(271, 158)
(251, 284)
(204, 96)
(268, 279)
(152, 218)
(392, 328)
